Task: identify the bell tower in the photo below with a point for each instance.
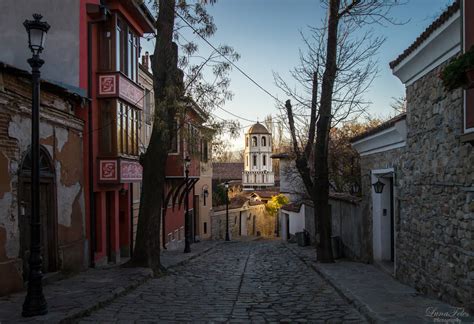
(258, 170)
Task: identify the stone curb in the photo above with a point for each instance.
(122, 291)
(362, 308)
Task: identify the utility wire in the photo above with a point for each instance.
(227, 59)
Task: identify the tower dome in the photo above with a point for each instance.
(258, 129)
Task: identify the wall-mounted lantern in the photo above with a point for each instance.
(378, 186)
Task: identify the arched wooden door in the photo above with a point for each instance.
(49, 248)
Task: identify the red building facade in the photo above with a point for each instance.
(189, 142)
(109, 50)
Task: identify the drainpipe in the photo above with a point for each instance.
(130, 186)
(91, 8)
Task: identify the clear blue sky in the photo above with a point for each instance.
(266, 34)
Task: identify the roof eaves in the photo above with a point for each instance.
(448, 13)
(389, 123)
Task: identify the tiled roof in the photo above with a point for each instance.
(281, 156)
(448, 13)
(227, 171)
(296, 206)
(292, 207)
(49, 85)
(389, 123)
(266, 193)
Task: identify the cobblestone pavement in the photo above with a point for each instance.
(382, 298)
(73, 297)
(237, 282)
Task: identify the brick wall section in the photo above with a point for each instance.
(435, 241)
(61, 135)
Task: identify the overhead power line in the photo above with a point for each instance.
(227, 59)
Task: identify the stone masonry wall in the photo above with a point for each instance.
(435, 241)
(264, 223)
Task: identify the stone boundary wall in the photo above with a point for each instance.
(264, 223)
(435, 240)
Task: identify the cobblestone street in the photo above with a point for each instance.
(237, 281)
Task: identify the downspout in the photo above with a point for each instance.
(131, 218)
(93, 242)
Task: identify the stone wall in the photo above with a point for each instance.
(61, 137)
(435, 231)
(264, 223)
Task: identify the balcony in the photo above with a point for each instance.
(117, 85)
(258, 179)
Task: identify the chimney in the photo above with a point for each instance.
(146, 60)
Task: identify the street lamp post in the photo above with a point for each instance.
(35, 303)
(227, 211)
(187, 223)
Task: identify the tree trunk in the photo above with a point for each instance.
(320, 194)
(167, 90)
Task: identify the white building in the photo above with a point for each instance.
(258, 171)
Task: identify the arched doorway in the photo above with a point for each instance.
(49, 249)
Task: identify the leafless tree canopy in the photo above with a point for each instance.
(336, 69)
(357, 67)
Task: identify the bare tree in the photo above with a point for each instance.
(399, 105)
(335, 71)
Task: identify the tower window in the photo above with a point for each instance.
(264, 161)
(247, 142)
(254, 160)
(264, 141)
(254, 141)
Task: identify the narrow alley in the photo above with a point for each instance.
(237, 281)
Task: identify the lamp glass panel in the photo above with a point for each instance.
(36, 40)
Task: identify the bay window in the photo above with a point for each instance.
(123, 55)
(128, 126)
(119, 128)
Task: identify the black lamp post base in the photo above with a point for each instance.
(34, 306)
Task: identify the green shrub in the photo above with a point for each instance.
(454, 74)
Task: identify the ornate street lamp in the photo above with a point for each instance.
(227, 211)
(378, 186)
(187, 223)
(35, 303)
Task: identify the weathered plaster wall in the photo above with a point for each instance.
(383, 160)
(435, 241)
(61, 135)
(205, 180)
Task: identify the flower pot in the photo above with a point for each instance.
(470, 79)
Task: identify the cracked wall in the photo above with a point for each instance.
(61, 135)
